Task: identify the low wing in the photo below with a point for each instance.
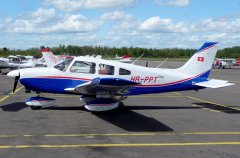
(213, 83)
(103, 86)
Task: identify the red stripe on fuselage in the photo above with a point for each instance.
(171, 83)
(63, 77)
(152, 85)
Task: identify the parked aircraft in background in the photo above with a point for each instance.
(4, 63)
(22, 61)
(51, 59)
(102, 84)
(15, 62)
(125, 58)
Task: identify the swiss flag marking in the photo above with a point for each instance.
(201, 59)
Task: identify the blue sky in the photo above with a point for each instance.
(117, 23)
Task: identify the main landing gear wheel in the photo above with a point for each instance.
(35, 107)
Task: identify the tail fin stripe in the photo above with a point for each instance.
(207, 46)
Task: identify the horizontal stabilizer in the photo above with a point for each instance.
(213, 83)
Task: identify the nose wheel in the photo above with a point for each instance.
(36, 103)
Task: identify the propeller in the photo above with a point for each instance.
(16, 82)
(14, 74)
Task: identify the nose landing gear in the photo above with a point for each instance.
(38, 102)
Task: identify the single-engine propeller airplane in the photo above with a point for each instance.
(102, 84)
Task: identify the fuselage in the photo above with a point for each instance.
(152, 80)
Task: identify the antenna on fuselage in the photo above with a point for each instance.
(108, 57)
(137, 59)
(162, 63)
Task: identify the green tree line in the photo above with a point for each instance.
(233, 52)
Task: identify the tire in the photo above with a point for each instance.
(35, 107)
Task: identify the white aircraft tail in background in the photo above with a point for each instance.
(49, 57)
(125, 58)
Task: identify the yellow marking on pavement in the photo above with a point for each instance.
(214, 110)
(210, 133)
(143, 134)
(234, 81)
(195, 105)
(7, 96)
(158, 96)
(109, 134)
(177, 93)
(7, 136)
(4, 98)
(118, 145)
(209, 102)
(124, 134)
(17, 90)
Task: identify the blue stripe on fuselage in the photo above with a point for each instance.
(50, 85)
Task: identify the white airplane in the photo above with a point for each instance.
(14, 62)
(102, 84)
(4, 63)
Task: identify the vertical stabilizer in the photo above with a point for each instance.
(201, 62)
(49, 57)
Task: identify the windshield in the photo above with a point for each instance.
(63, 65)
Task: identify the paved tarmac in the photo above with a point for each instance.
(200, 124)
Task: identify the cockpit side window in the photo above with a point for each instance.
(83, 67)
(63, 65)
(124, 72)
(105, 69)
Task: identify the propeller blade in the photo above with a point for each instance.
(15, 83)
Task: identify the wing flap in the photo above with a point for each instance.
(213, 83)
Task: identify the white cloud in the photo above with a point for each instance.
(41, 15)
(117, 15)
(157, 24)
(75, 23)
(47, 21)
(179, 3)
(117, 28)
(157, 32)
(71, 5)
(29, 22)
(218, 25)
(216, 37)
